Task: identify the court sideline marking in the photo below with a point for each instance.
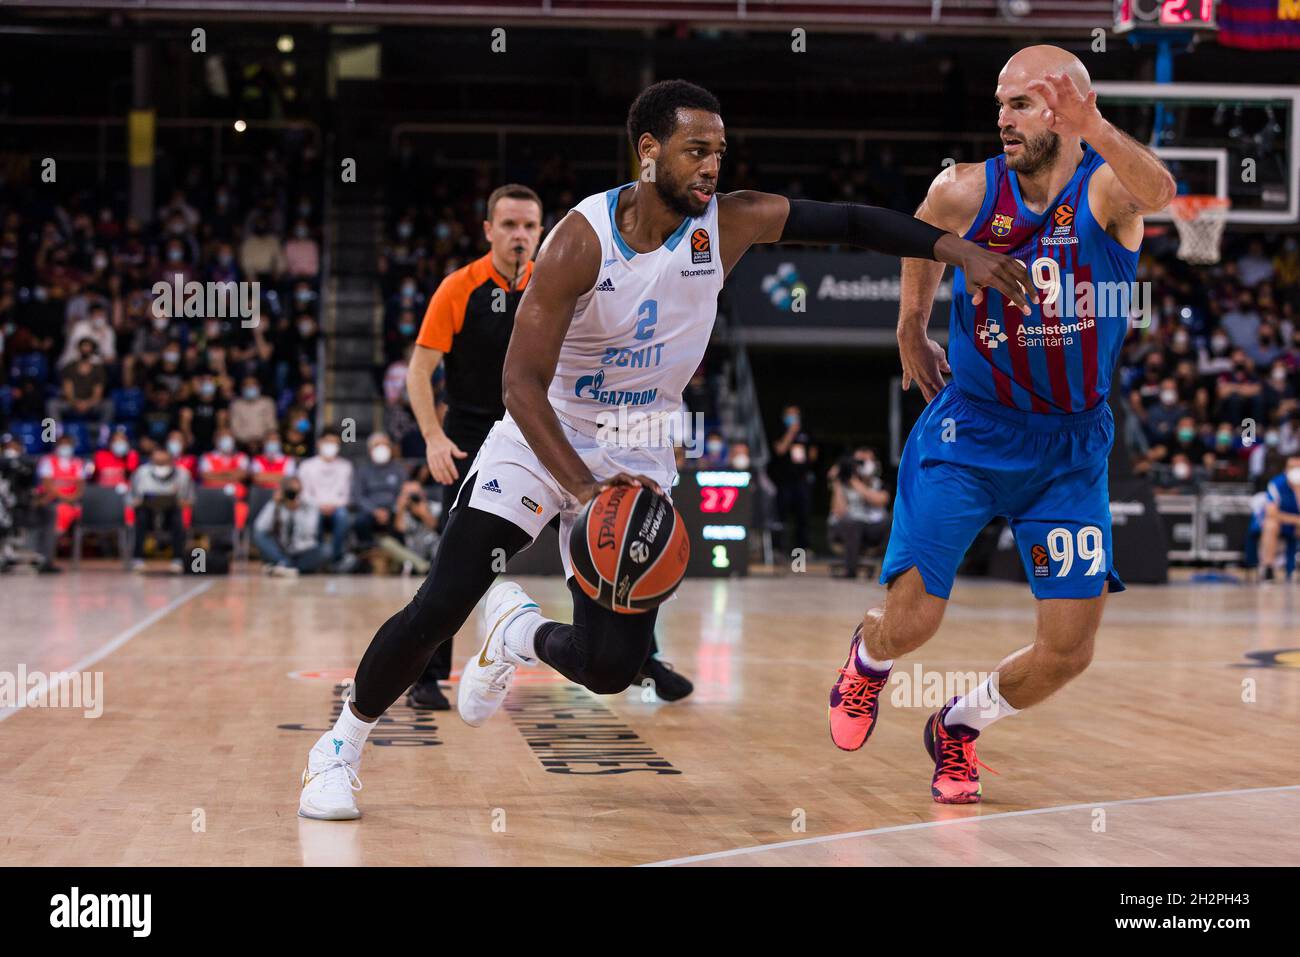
(923, 825)
(117, 642)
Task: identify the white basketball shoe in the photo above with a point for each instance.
(328, 783)
(485, 682)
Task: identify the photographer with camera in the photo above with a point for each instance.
(414, 535)
(287, 532)
(858, 506)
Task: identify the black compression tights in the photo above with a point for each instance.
(602, 650)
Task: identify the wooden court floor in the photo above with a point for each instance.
(1176, 747)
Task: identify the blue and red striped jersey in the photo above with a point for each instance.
(1060, 362)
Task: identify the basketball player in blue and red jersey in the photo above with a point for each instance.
(1023, 430)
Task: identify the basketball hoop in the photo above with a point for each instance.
(1200, 220)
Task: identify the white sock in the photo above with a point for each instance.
(980, 708)
(867, 661)
(518, 637)
(347, 736)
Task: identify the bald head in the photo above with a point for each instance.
(1034, 63)
(1029, 142)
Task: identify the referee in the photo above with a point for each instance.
(467, 326)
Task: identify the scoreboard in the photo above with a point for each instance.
(1165, 15)
(718, 509)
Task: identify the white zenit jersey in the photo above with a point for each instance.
(639, 333)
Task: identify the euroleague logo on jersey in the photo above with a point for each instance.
(1063, 218)
(1039, 554)
(701, 246)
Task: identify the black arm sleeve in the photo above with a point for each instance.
(853, 224)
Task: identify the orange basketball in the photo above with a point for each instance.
(629, 549)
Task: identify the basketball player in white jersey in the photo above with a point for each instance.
(616, 318)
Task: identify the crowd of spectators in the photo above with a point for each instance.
(1212, 382)
(107, 380)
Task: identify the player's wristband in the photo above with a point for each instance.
(854, 224)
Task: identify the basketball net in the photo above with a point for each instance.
(1200, 220)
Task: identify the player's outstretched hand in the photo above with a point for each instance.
(1068, 111)
(441, 452)
(1005, 274)
(924, 361)
(622, 478)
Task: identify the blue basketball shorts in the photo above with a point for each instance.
(967, 462)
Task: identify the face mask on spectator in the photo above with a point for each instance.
(290, 494)
(251, 392)
(101, 262)
(1223, 439)
(404, 230)
(64, 451)
(305, 329)
(1168, 396)
(740, 462)
(1180, 340)
(1272, 438)
(175, 255)
(301, 232)
(1279, 376)
(271, 450)
(175, 447)
(303, 426)
(1219, 343)
(867, 467)
(381, 455)
(160, 324)
(303, 295)
(225, 445)
(162, 472)
(407, 328)
(11, 453)
(329, 449)
(120, 448)
(225, 259)
(171, 357)
(442, 231)
(1293, 476)
(408, 291)
(1182, 471)
(1186, 435)
(207, 389)
(713, 447)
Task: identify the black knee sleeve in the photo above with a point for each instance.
(602, 650)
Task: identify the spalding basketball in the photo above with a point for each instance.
(629, 549)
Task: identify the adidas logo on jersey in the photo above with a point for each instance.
(606, 285)
(491, 486)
